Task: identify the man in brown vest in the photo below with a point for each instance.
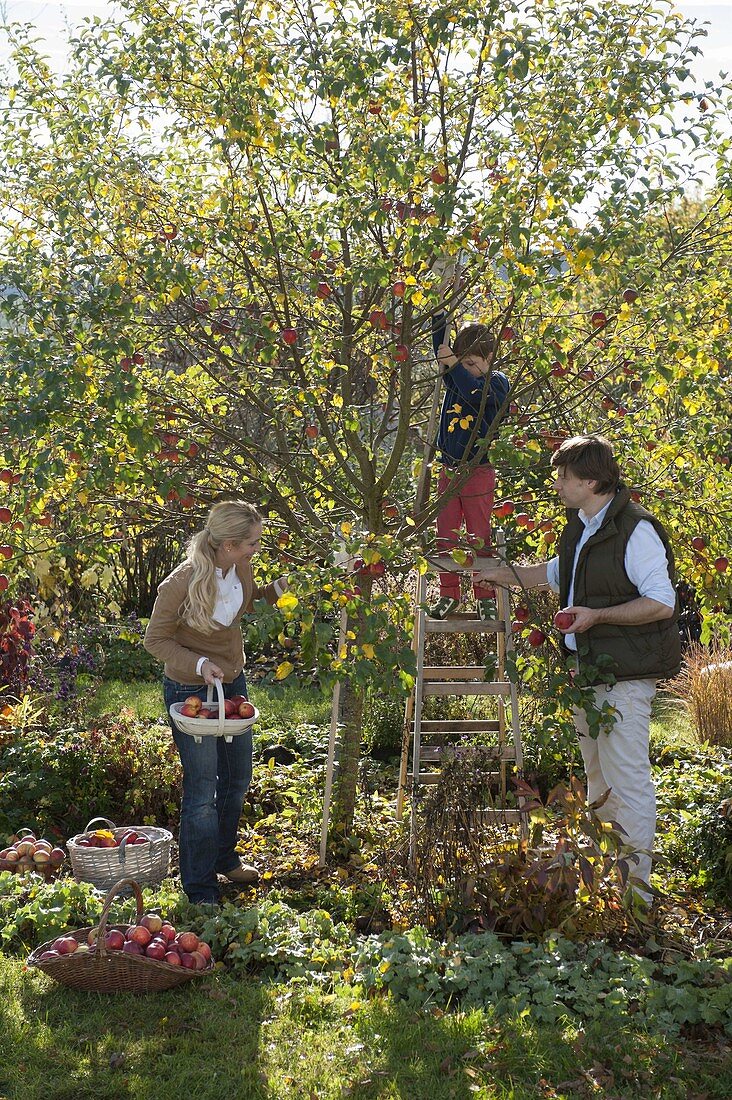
(615, 576)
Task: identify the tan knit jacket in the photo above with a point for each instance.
(180, 647)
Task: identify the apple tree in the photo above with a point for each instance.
(228, 228)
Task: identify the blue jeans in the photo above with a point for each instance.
(216, 777)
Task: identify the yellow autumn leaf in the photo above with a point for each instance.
(287, 602)
(368, 651)
(284, 670)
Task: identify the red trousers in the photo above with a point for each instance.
(472, 506)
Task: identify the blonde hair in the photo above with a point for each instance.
(228, 520)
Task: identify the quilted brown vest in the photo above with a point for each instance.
(630, 652)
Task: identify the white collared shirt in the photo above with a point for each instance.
(229, 601)
(645, 563)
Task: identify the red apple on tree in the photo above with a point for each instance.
(721, 564)
(629, 295)
(323, 290)
(401, 353)
(536, 638)
(399, 289)
(438, 174)
(698, 542)
(5, 515)
(289, 336)
(598, 319)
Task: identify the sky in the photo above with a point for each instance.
(50, 18)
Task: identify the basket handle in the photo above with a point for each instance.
(104, 819)
(222, 712)
(20, 832)
(111, 894)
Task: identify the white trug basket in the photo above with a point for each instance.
(206, 727)
(102, 867)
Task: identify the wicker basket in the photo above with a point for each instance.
(106, 971)
(147, 863)
(199, 728)
(46, 870)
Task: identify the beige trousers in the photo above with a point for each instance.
(619, 761)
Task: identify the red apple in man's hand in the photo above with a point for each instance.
(563, 620)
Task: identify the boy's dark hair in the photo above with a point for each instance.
(474, 340)
(590, 457)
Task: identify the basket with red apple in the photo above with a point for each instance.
(25, 852)
(145, 957)
(103, 856)
(225, 718)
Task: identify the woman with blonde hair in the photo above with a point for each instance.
(195, 630)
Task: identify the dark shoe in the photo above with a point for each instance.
(243, 875)
(444, 607)
(487, 610)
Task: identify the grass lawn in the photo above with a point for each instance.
(232, 1037)
(305, 704)
(223, 1038)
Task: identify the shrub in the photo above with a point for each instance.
(117, 767)
(16, 644)
(705, 685)
(568, 877)
(707, 841)
(383, 723)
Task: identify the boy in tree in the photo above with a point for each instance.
(473, 392)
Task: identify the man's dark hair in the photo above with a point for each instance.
(590, 457)
(474, 340)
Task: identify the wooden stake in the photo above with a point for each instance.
(330, 761)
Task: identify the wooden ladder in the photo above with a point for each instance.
(468, 680)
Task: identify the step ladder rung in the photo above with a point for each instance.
(467, 624)
(454, 687)
(430, 778)
(455, 672)
(491, 816)
(430, 753)
(458, 725)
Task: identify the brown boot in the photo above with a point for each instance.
(244, 875)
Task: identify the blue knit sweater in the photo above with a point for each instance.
(463, 398)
